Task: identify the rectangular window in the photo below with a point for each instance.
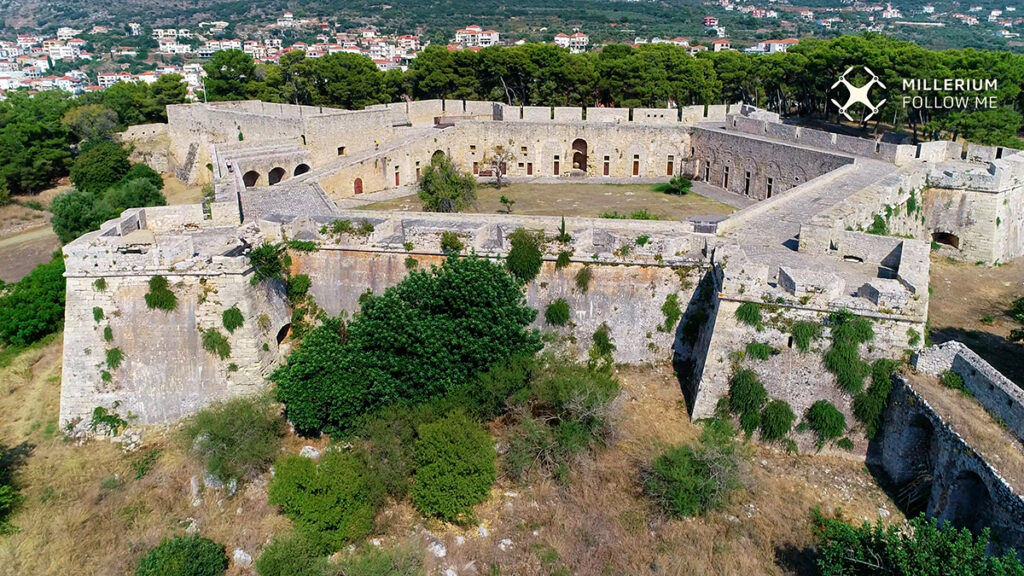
(725, 178)
(522, 149)
(746, 184)
(472, 147)
(771, 186)
(476, 168)
(341, 150)
(707, 170)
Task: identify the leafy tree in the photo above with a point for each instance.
(144, 171)
(443, 188)
(132, 193)
(332, 502)
(184, 556)
(34, 147)
(75, 213)
(228, 74)
(266, 262)
(678, 185)
(91, 122)
(423, 338)
(926, 548)
(455, 467)
(100, 165)
(34, 306)
(168, 89)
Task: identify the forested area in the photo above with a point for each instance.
(656, 75)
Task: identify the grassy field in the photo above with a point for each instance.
(93, 509)
(583, 199)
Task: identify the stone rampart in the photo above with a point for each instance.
(1001, 397)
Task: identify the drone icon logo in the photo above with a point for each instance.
(858, 94)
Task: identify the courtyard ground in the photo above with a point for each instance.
(584, 199)
(96, 510)
(970, 303)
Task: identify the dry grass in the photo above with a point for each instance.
(84, 510)
(956, 312)
(582, 199)
(86, 513)
(970, 419)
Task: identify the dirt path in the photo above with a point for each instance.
(22, 252)
(969, 303)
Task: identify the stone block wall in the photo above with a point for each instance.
(919, 449)
(1001, 397)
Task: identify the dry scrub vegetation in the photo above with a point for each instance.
(87, 512)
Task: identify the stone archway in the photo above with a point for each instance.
(969, 503)
(946, 238)
(579, 154)
(918, 452)
(437, 155)
(357, 186)
(250, 178)
(301, 169)
(276, 175)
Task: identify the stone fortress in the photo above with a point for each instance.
(800, 249)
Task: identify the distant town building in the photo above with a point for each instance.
(474, 36)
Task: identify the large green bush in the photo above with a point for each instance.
(804, 333)
(184, 556)
(293, 555)
(232, 319)
(332, 502)
(927, 548)
(101, 164)
(524, 258)
(373, 561)
(746, 398)
(9, 495)
(455, 467)
(423, 338)
(236, 439)
(693, 480)
(34, 306)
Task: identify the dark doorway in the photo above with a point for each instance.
(947, 239)
(357, 186)
(276, 175)
(301, 169)
(283, 333)
(250, 178)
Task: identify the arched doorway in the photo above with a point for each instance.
(968, 504)
(947, 239)
(250, 178)
(357, 186)
(283, 333)
(579, 154)
(918, 453)
(437, 155)
(276, 175)
(301, 169)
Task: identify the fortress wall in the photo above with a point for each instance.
(423, 112)
(627, 298)
(165, 373)
(614, 115)
(970, 216)
(787, 166)
(656, 116)
(798, 378)
(174, 218)
(568, 114)
(1001, 397)
(536, 114)
(962, 488)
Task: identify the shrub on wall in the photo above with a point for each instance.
(843, 356)
(583, 277)
(804, 333)
(776, 420)
(214, 341)
(298, 287)
(953, 381)
(827, 422)
(557, 313)
(184, 556)
(266, 262)
(695, 479)
(455, 467)
(236, 439)
(759, 350)
(232, 319)
(672, 312)
(332, 502)
(868, 406)
(746, 397)
(524, 258)
(160, 296)
(97, 313)
(749, 313)
(451, 243)
(114, 358)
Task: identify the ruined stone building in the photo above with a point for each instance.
(799, 251)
